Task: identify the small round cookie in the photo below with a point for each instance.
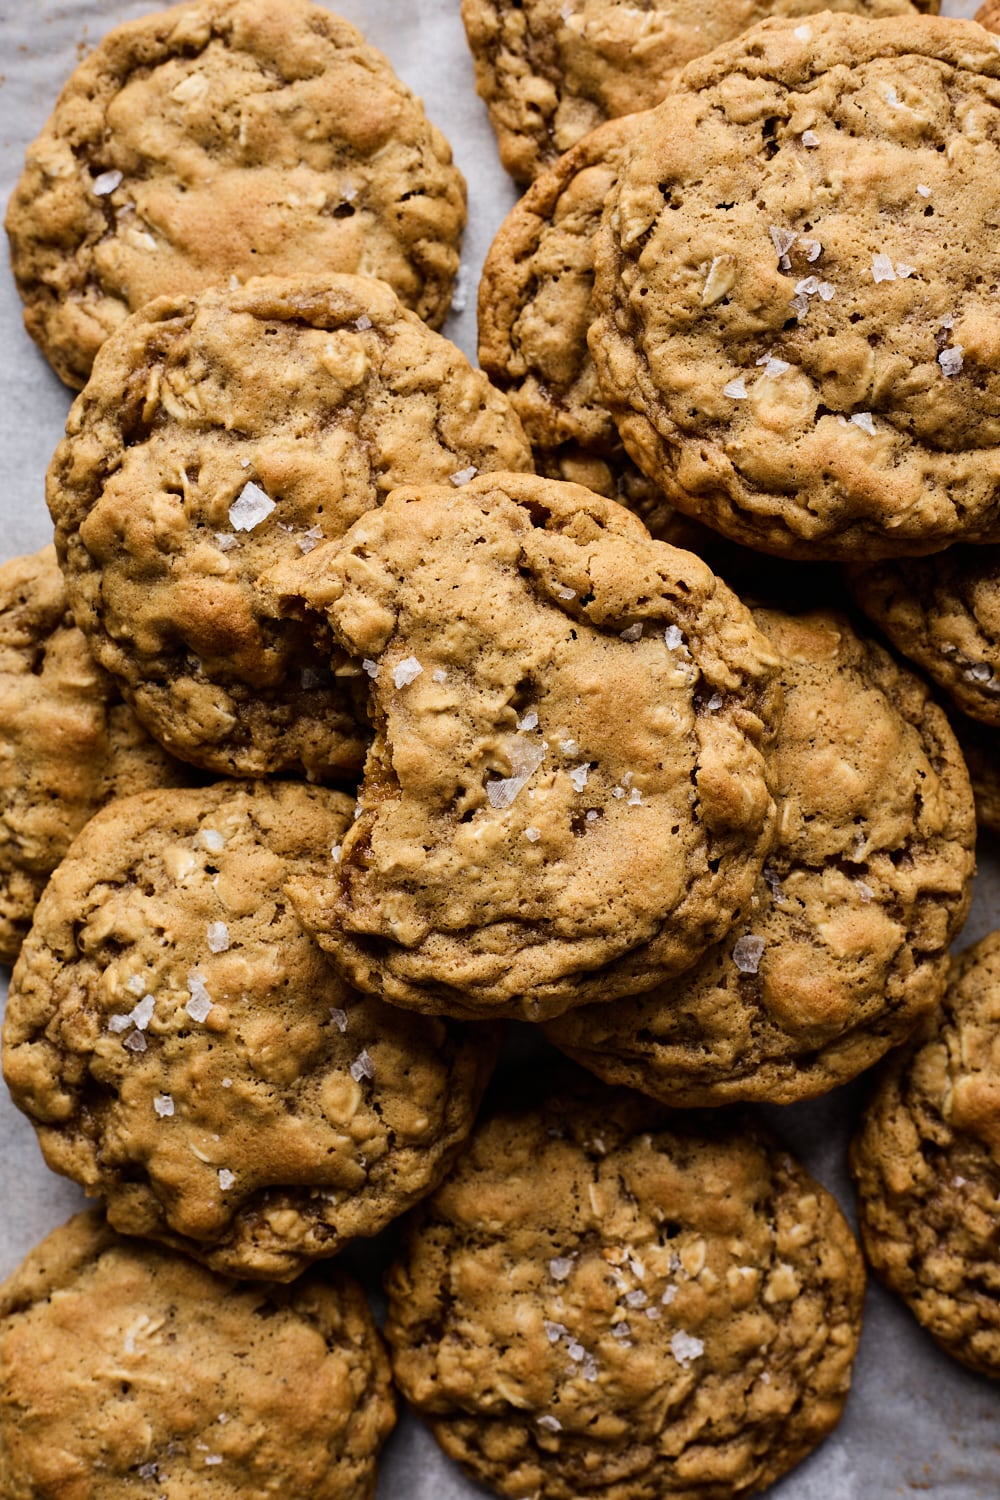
(942, 612)
(126, 1370)
(221, 139)
(550, 71)
(796, 335)
(846, 943)
(68, 744)
(926, 1161)
(186, 1052)
(219, 434)
(612, 1300)
(523, 844)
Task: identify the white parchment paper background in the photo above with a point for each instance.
(915, 1422)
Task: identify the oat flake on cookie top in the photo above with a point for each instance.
(798, 335)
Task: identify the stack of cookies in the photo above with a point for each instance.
(385, 704)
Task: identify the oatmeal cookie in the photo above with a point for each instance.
(550, 71)
(219, 434)
(566, 796)
(221, 139)
(943, 613)
(846, 943)
(186, 1052)
(68, 743)
(611, 1300)
(126, 1369)
(927, 1165)
(797, 334)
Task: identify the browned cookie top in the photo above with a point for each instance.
(219, 434)
(68, 744)
(552, 70)
(186, 1052)
(927, 1165)
(227, 138)
(943, 612)
(846, 942)
(798, 336)
(566, 795)
(128, 1370)
(605, 1299)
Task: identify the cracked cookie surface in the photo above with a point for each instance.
(926, 1162)
(846, 943)
(608, 1299)
(521, 845)
(127, 1368)
(186, 1052)
(227, 138)
(219, 434)
(797, 337)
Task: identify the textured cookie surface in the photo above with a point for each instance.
(219, 434)
(186, 1052)
(846, 942)
(227, 138)
(608, 1300)
(797, 335)
(552, 70)
(943, 612)
(128, 1370)
(927, 1165)
(522, 843)
(68, 743)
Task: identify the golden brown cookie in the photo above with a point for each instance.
(606, 1299)
(219, 434)
(943, 612)
(927, 1166)
(68, 743)
(846, 943)
(797, 332)
(550, 71)
(222, 139)
(566, 796)
(128, 1370)
(185, 1051)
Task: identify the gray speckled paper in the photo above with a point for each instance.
(915, 1422)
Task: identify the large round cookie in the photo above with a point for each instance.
(943, 613)
(927, 1165)
(185, 1051)
(605, 1299)
(220, 139)
(566, 796)
(846, 943)
(219, 434)
(127, 1370)
(550, 71)
(797, 335)
(68, 744)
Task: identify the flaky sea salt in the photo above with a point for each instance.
(810, 138)
(163, 1105)
(106, 182)
(335, 853)
(362, 1066)
(923, 190)
(715, 703)
(826, 291)
(560, 1267)
(210, 839)
(226, 1179)
(550, 1424)
(783, 239)
(532, 835)
(369, 667)
(530, 721)
(631, 633)
(980, 671)
(136, 985)
(462, 476)
(864, 891)
(142, 1013)
(440, 675)
(218, 937)
(773, 366)
(554, 1331)
(903, 270)
(502, 791)
(747, 952)
(406, 672)
(339, 1019)
(882, 269)
(950, 361)
(684, 1347)
(674, 637)
(250, 508)
(578, 776)
(865, 421)
(565, 593)
(668, 1296)
(804, 33)
(309, 539)
(813, 249)
(135, 1042)
(200, 1003)
(808, 286)
(363, 323)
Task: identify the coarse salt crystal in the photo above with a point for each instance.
(532, 835)
(634, 797)
(462, 476)
(810, 138)
(164, 1105)
(980, 671)
(560, 1267)
(530, 721)
(865, 891)
(826, 291)
(674, 637)
(339, 1019)
(804, 33)
(200, 1003)
(631, 633)
(363, 323)
(226, 1179)
(636, 1298)
(578, 776)
(106, 182)
(652, 1313)
(554, 1331)
(503, 790)
(440, 675)
(565, 593)
(336, 852)
(218, 937)
(903, 270)
(362, 1067)
(210, 839)
(135, 1042)
(668, 1296)
(736, 390)
(813, 250)
(136, 985)
(225, 541)
(309, 539)
(923, 190)
(809, 285)
(142, 1013)
(369, 666)
(684, 1347)
(227, 1083)
(865, 421)
(747, 952)
(213, 1458)
(783, 239)
(882, 269)
(618, 791)
(575, 1351)
(950, 361)
(773, 367)
(406, 672)
(551, 1424)
(119, 1023)
(622, 1331)
(251, 507)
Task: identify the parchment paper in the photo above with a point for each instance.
(916, 1422)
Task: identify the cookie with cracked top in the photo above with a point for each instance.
(550, 71)
(219, 434)
(795, 340)
(127, 1368)
(845, 946)
(926, 1162)
(222, 139)
(68, 744)
(185, 1051)
(611, 1299)
(525, 842)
